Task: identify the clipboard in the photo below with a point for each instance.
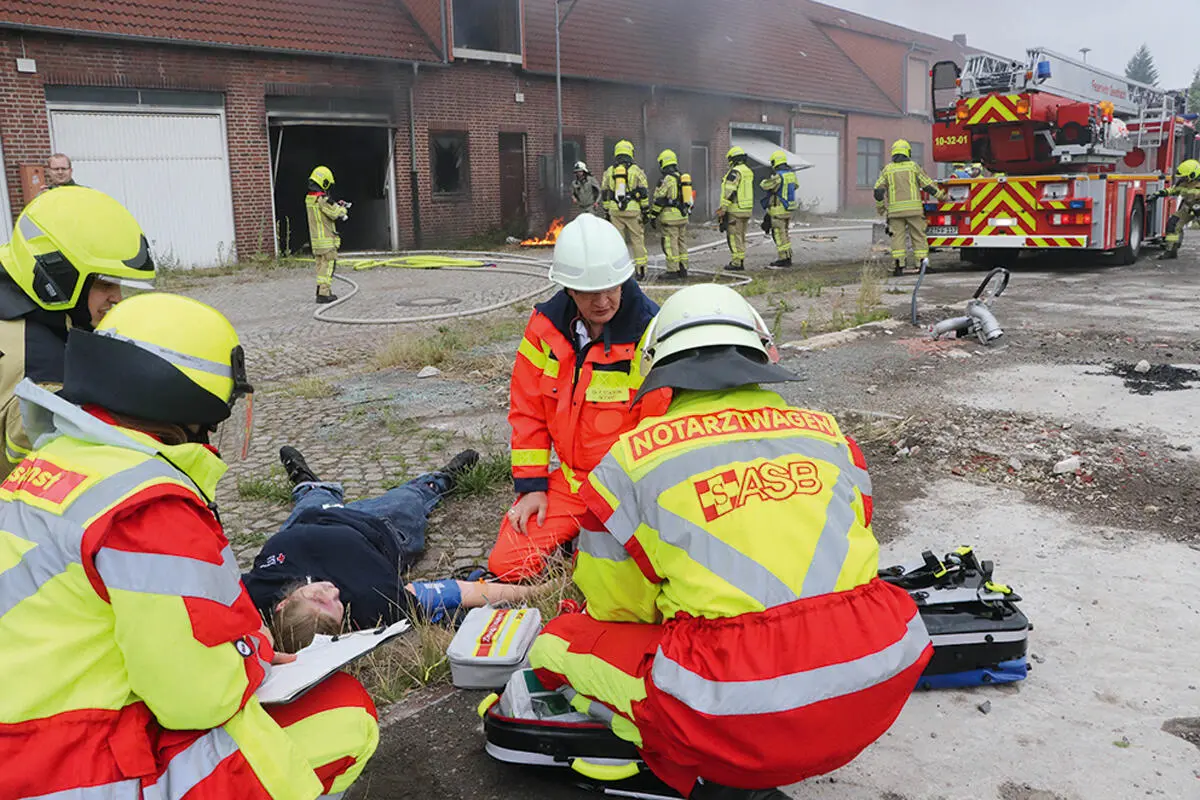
(325, 656)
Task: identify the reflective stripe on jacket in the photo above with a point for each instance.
(667, 200)
(745, 524)
(737, 193)
(131, 620)
(322, 222)
(776, 186)
(903, 182)
(577, 401)
(637, 191)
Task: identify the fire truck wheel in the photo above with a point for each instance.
(1136, 226)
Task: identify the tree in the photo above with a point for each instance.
(1194, 92)
(1141, 67)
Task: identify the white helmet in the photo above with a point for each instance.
(590, 256)
(705, 315)
(582, 167)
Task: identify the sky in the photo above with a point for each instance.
(1109, 27)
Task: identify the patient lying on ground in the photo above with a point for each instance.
(334, 566)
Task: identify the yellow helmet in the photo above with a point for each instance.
(1188, 170)
(735, 152)
(323, 177)
(65, 237)
(901, 147)
(958, 165)
(159, 357)
(779, 159)
(667, 158)
(623, 148)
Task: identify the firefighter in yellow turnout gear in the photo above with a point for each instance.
(737, 204)
(1187, 189)
(779, 204)
(898, 195)
(625, 193)
(322, 229)
(671, 210)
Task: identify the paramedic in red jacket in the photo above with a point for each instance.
(736, 629)
(572, 383)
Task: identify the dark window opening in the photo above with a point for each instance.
(490, 25)
(573, 151)
(448, 162)
(870, 161)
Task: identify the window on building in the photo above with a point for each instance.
(488, 29)
(917, 86)
(449, 165)
(918, 153)
(870, 161)
(573, 150)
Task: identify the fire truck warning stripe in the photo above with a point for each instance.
(993, 108)
(1056, 241)
(948, 241)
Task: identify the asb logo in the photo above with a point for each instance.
(731, 489)
(44, 480)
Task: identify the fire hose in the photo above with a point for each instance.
(979, 319)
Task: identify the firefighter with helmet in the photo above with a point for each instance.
(737, 206)
(625, 193)
(323, 216)
(572, 382)
(1187, 189)
(127, 587)
(585, 191)
(72, 251)
(779, 203)
(960, 170)
(732, 528)
(671, 211)
(898, 196)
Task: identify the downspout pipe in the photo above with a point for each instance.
(445, 36)
(414, 185)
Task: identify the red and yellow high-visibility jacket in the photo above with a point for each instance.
(123, 619)
(744, 525)
(576, 400)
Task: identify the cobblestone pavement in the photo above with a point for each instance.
(319, 389)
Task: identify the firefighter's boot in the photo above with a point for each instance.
(322, 299)
(899, 268)
(732, 267)
(1167, 255)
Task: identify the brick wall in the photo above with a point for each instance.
(472, 97)
(913, 129)
(64, 60)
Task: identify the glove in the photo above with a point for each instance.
(1158, 194)
(888, 231)
(722, 223)
(767, 224)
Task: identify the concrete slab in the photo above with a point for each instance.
(1115, 630)
(1083, 394)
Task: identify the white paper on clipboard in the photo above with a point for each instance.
(325, 656)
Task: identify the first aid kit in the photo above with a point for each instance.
(492, 644)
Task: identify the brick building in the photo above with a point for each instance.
(437, 116)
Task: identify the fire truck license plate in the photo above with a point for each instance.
(941, 230)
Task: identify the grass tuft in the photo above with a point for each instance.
(311, 388)
(273, 487)
(491, 473)
(456, 347)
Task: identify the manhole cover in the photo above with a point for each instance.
(428, 302)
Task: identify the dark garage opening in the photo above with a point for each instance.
(361, 161)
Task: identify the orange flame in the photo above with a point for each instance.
(550, 238)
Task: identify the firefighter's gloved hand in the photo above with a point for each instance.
(1158, 194)
(767, 224)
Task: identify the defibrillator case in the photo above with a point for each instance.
(979, 634)
(550, 736)
(490, 645)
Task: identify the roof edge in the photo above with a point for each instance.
(434, 60)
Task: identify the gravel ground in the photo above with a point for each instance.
(1049, 430)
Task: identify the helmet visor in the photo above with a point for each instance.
(234, 434)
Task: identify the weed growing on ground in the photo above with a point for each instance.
(273, 487)
(453, 346)
(781, 283)
(418, 658)
(311, 387)
(489, 474)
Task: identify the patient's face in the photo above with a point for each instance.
(323, 597)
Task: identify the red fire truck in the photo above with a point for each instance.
(1075, 154)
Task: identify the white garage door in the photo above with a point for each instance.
(821, 185)
(170, 169)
